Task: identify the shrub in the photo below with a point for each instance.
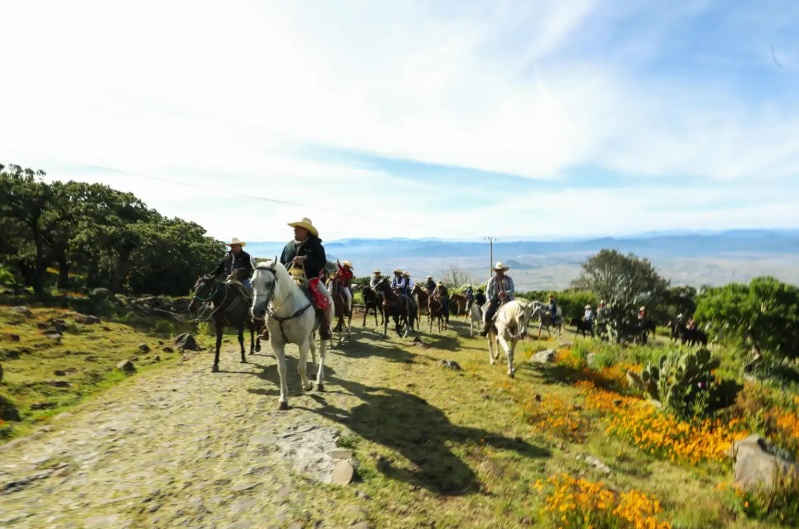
(685, 384)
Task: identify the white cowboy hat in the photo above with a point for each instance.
(376, 272)
(642, 308)
(235, 241)
(307, 224)
(347, 263)
(502, 267)
(429, 277)
(588, 306)
(406, 274)
(441, 283)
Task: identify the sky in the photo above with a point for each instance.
(452, 119)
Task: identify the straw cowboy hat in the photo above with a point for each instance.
(429, 277)
(307, 224)
(441, 283)
(377, 272)
(397, 271)
(588, 306)
(235, 241)
(406, 274)
(502, 267)
(348, 264)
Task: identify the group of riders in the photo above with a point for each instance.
(304, 258)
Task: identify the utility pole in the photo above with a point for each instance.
(490, 253)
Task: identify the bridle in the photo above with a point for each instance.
(201, 317)
(271, 310)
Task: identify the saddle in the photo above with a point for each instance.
(245, 294)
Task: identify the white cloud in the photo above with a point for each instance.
(218, 93)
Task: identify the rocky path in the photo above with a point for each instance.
(183, 447)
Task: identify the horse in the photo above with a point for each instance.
(344, 323)
(692, 337)
(475, 316)
(546, 320)
(229, 309)
(510, 324)
(422, 301)
(460, 303)
(438, 311)
(581, 326)
(394, 305)
(372, 301)
(291, 318)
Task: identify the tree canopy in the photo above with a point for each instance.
(763, 315)
(110, 237)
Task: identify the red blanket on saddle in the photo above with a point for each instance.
(320, 301)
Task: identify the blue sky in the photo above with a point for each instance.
(416, 119)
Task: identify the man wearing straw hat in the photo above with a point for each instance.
(238, 263)
(305, 259)
(377, 276)
(499, 291)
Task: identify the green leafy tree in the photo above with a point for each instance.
(762, 316)
(624, 282)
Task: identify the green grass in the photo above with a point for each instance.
(85, 357)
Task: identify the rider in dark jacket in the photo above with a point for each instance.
(238, 261)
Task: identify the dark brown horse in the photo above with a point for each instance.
(437, 310)
(397, 307)
(422, 298)
(344, 324)
(460, 304)
(374, 302)
(228, 308)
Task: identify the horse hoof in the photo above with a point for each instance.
(308, 387)
(283, 406)
(512, 374)
(243, 360)
(215, 369)
(258, 348)
(320, 387)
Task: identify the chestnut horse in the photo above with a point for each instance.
(460, 303)
(437, 311)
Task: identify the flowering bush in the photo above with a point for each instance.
(575, 502)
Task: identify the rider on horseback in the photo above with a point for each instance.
(500, 290)
(400, 284)
(552, 308)
(344, 281)
(430, 285)
(441, 294)
(376, 278)
(238, 265)
(305, 259)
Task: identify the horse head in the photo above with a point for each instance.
(204, 290)
(264, 287)
(523, 317)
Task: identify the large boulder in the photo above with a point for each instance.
(756, 466)
(85, 319)
(100, 293)
(543, 357)
(186, 342)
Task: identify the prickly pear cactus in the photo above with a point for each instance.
(678, 379)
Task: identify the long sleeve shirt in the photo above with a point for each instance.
(494, 287)
(232, 262)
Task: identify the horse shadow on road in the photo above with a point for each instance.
(421, 433)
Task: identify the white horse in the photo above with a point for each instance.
(546, 321)
(291, 318)
(475, 316)
(510, 325)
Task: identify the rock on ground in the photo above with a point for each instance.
(85, 319)
(756, 466)
(543, 357)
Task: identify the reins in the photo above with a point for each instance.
(271, 311)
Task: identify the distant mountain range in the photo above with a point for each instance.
(685, 257)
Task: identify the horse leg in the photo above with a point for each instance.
(349, 325)
(491, 344)
(241, 343)
(508, 353)
(302, 366)
(385, 327)
(280, 354)
(320, 372)
(220, 327)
